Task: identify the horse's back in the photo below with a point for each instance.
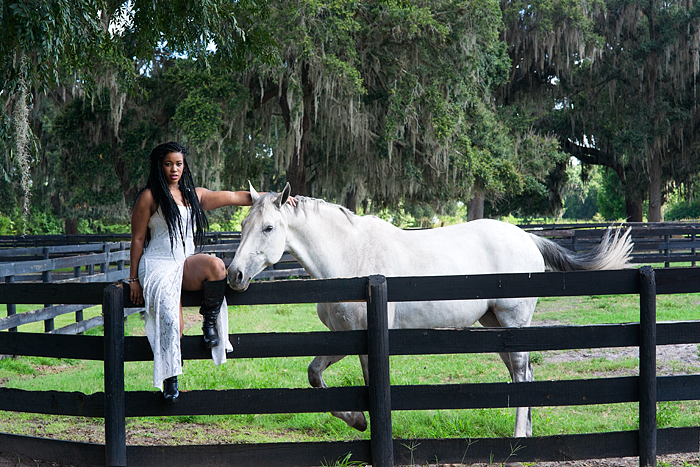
(477, 247)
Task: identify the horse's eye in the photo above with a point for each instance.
(268, 229)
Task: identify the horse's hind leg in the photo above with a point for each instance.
(520, 369)
(355, 420)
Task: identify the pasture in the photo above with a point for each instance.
(87, 377)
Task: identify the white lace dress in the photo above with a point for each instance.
(160, 275)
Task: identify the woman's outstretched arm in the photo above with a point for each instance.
(217, 199)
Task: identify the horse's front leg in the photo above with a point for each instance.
(355, 420)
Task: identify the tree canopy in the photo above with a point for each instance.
(65, 49)
(367, 103)
(616, 82)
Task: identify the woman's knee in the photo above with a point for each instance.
(218, 268)
(201, 268)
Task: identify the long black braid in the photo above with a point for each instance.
(158, 185)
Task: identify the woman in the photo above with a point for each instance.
(167, 221)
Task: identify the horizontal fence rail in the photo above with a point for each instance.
(115, 404)
(61, 264)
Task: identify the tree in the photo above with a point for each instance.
(180, 99)
(615, 81)
(55, 45)
(382, 100)
(37, 38)
(651, 135)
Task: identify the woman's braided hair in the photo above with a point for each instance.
(158, 185)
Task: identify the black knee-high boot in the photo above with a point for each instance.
(214, 292)
(170, 389)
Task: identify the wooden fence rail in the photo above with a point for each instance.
(53, 269)
(115, 404)
(57, 259)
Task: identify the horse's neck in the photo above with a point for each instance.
(324, 242)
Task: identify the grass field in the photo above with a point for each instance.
(87, 377)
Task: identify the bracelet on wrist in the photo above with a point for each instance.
(135, 279)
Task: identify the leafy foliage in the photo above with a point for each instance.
(683, 211)
(611, 204)
(581, 193)
(73, 49)
(377, 98)
(614, 81)
(372, 104)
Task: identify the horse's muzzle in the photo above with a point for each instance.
(237, 279)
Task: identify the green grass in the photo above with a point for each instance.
(32, 373)
(600, 309)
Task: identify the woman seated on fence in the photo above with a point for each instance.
(167, 221)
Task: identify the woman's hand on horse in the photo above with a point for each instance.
(292, 201)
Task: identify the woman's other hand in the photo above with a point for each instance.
(136, 293)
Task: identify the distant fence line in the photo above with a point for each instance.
(659, 242)
(379, 398)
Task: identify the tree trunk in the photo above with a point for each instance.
(296, 171)
(351, 199)
(475, 207)
(654, 214)
(296, 175)
(634, 206)
(70, 227)
(654, 155)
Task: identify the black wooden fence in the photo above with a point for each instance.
(115, 404)
(54, 256)
(94, 262)
(59, 264)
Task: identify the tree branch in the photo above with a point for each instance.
(594, 156)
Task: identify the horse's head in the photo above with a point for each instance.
(263, 238)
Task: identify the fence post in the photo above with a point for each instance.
(120, 263)
(46, 277)
(115, 411)
(647, 367)
(693, 237)
(382, 444)
(104, 267)
(11, 307)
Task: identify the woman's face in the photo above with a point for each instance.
(173, 165)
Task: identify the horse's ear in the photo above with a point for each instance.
(253, 194)
(284, 196)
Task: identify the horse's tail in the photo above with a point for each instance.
(613, 252)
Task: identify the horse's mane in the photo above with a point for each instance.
(305, 204)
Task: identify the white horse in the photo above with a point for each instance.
(330, 241)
